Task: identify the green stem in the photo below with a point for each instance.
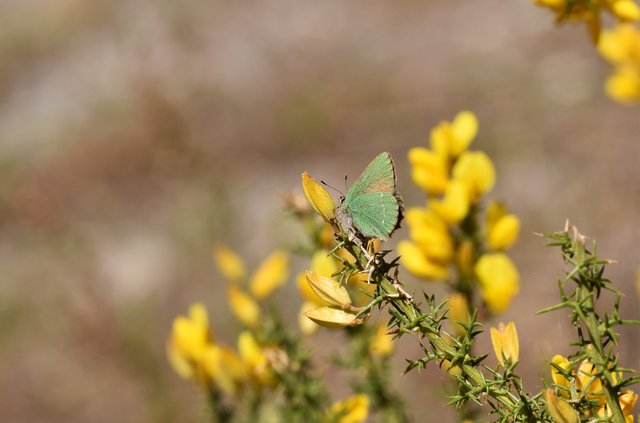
(598, 355)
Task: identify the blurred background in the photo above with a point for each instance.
(136, 135)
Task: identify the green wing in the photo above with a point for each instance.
(379, 176)
(374, 214)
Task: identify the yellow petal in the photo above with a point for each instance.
(223, 366)
(499, 280)
(417, 263)
(250, 351)
(431, 233)
(428, 170)
(557, 377)
(332, 317)
(504, 232)
(329, 290)
(243, 306)
(589, 382)
(229, 264)
(271, 274)
(455, 204)
(441, 139)
(179, 361)
(626, 10)
(505, 342)
(475, 169)
(628, 401)
(323, 264)
(624, 85)
(560, 410)
(318, 197)
(352, 410)
(465, 128)
(191, 335)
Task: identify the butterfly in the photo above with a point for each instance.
(372, 208)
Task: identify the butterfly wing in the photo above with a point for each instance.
(379, 176)
(375, 214)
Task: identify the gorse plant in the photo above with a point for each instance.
(353, 284)
(619, 44)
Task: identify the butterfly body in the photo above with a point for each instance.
(372, 208)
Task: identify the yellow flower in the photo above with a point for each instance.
(458, 310)
(589, 383)
(318, 197)
(354, 409)
(254, 358)
(627, 402)
(428, 170)
(382, 344)
(455, 204)
(243, 306)
(498, 279)
(416, 262)
(322, 264)
(189, 339)
(225, 368)
(449, 140)
(503, 233)
(270, 275)
(229, 264)
(560, 410)
(557, 377)
(620, 45)
(624, 85)
(329, 290)
(475, 169)
(333, 317)
(625, 9)
(431, 233)
(505, 342)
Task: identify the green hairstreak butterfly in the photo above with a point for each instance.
(372, 208)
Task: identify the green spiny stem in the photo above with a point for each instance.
(437, 340)
(598, 355)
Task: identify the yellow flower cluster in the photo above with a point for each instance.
(589, 11)
(194, 355)
(587, 385)
(444, 232)
(621, 47)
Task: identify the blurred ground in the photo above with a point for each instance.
(135, 135)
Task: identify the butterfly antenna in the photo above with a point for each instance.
(345, 182)
(333, 188)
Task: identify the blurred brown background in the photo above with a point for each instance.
(135, 135)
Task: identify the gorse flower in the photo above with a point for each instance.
(449, 234)
(505, 343)
(590, 11)
(585, 381)
(189, 339)
(620, 46)
(498, 280)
